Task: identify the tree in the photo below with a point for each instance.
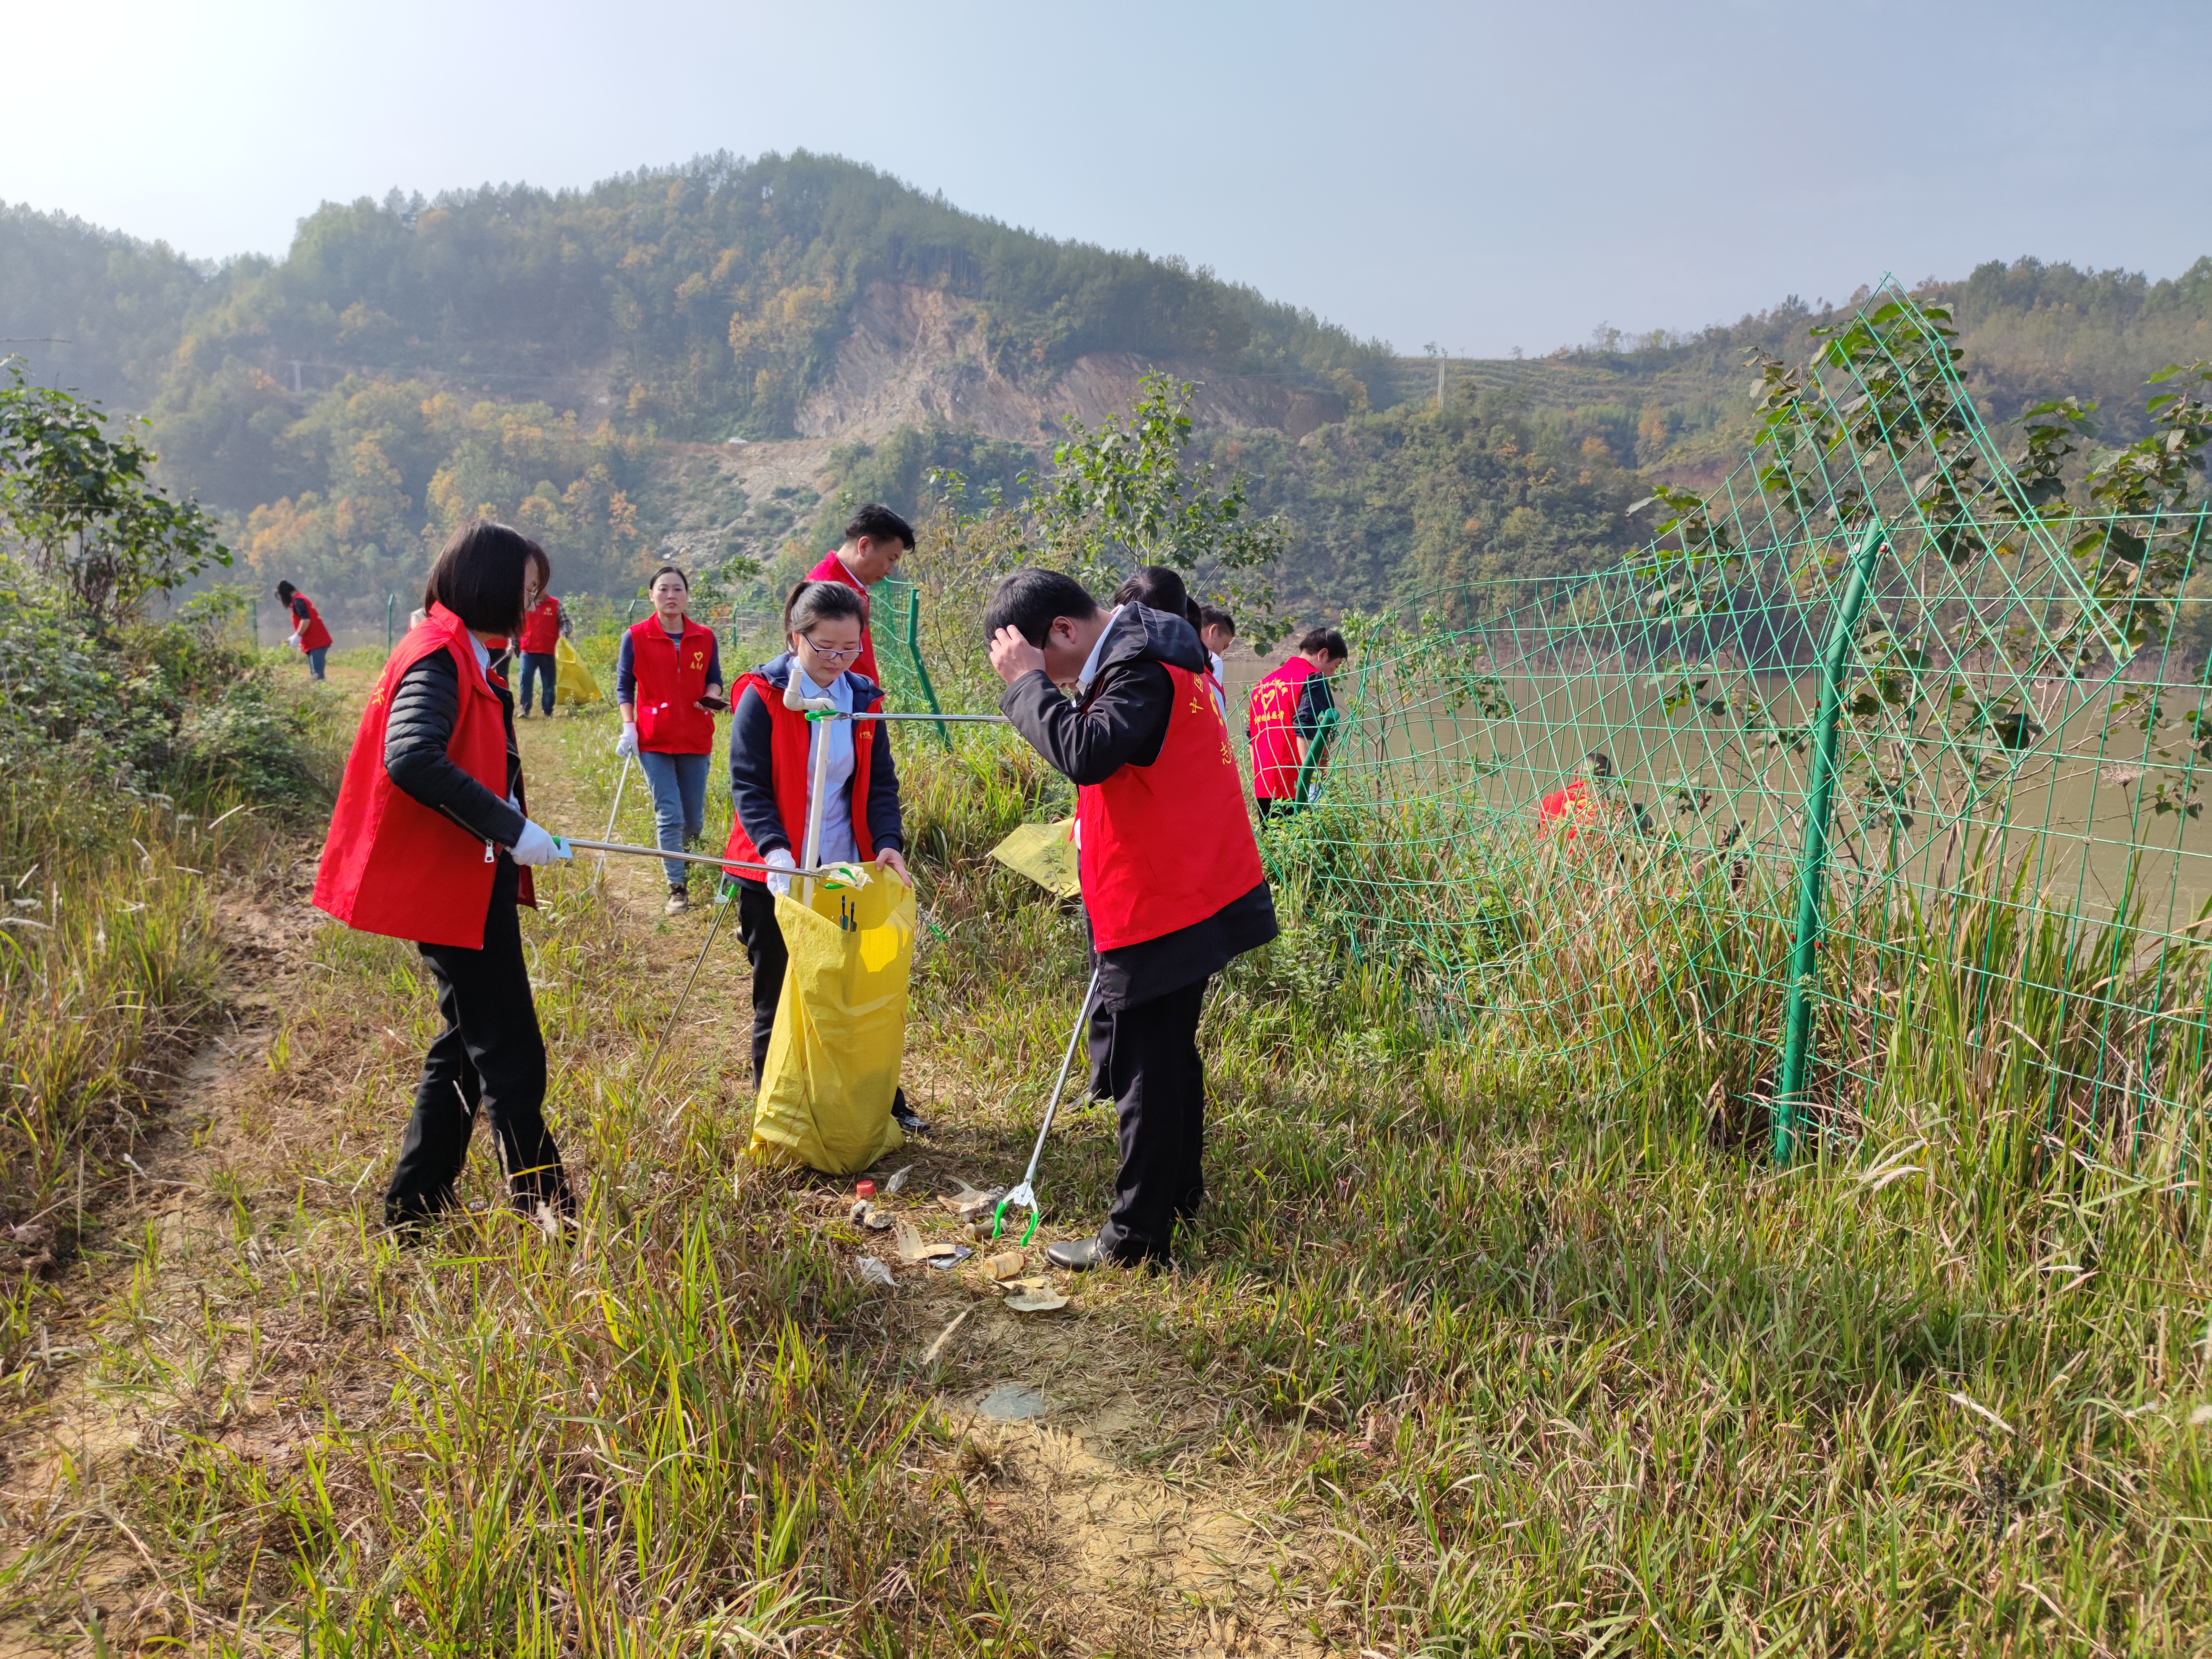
(77, 501)
(1123, 493)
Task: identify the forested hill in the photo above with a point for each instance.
(581, 362)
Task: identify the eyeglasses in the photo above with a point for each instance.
(828, 655)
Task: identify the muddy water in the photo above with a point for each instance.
(2075, 810)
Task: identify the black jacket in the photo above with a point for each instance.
(1122, 721)
(424, 706)
(752, 773)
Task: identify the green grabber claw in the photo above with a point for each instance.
(1024, 1195)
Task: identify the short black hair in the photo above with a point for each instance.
(1212, 616)
(285, 591)
(1162, 589)
(1324, 639)
(675, 570)
(479, 577)
(877, 523)
(1028, 600)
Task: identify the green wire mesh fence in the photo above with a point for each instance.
(895, 623)
(1880, 751)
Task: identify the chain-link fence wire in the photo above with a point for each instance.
(1879, 722)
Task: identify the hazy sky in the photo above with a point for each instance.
(1481, 175)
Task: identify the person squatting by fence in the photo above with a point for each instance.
(543, 622)
(310, 636)
(668, 684)
(876, 538)
(1282, 720)
(772, 749)
(1172, 886)
(431, 842)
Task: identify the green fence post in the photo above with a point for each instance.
(920, 670)
(390, 602)
(1316, 756)
(253, 608)
(1813, 864)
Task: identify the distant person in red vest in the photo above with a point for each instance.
(1283, 719)
(543, 622)
(772, 748)
(668, 684)
(1172, 886)
(1578, 806)
(309, 636)
(430, 842)
(876, 540)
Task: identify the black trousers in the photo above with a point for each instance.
(491, 1055)
(1159, 1082)
(763, 938)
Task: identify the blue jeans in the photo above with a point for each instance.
(543, 667)
(679, 804)
(315, 661)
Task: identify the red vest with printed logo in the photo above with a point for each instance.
(671, 676)
(392, 865)
(789, 739)
(541, 627)
(1167, 845)
(1274, 744)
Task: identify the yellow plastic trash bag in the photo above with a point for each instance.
(1045, 853)
(833, 1065)
(571, 681)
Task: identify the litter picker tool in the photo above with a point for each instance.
(608, 833)
(1024, 1196)
(714, 858)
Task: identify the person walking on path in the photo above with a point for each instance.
(1283, 719)
(876, 538)
(431, 841)
(668, 684)
(310, 638)
(1172, 886)
(772, 749)
(543, 622)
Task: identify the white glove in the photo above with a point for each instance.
(293, 639)
(626, 745)
(538, 845)
(780, 860)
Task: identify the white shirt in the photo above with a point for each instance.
(838, 846)
(1220, 686)
(1091, 663)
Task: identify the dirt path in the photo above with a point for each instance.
(235, 1315)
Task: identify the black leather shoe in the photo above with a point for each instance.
(903, 1115)
(1077, 1256)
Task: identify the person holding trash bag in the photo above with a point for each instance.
(771, 772)
(431, 841)
(310, 636)
(668, 684)
(876, 538)
(1172, 885)
(543, 622)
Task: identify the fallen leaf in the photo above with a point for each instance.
(1043, 1301)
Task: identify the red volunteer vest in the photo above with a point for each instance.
(832, 569)
(390, 864)
(1573, 808)
(313, 636)
(788, 731)
(670, 679)
(1274, 747)
(541, 627)
(1167, 845)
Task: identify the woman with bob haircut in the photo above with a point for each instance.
(431, 841)
(771, 772)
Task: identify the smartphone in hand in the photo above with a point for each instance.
(714, 705)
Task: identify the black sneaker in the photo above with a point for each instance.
(904, 1116)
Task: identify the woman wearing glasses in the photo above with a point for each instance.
(668, 684)
(771, 772)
